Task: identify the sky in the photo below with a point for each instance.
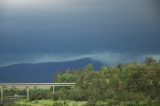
(111, 31)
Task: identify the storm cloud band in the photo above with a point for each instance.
(32, 29)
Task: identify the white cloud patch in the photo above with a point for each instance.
(107, 58)
(27, 4)
(104, 57)
(155, 56)
(44, 5)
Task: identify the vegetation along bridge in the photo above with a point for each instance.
(30, 85)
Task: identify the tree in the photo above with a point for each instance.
(150, 60)
(122, 83)
(89, 68)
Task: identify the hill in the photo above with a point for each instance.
(41, 72)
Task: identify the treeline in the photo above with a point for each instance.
(134, 84)
(123, 84)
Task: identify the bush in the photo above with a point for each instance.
(40, 94)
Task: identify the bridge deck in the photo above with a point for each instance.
(37, 84)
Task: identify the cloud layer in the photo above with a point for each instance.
(50, 30)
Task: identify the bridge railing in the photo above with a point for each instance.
(28, 85)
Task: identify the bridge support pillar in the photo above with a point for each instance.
(27, 87)
(53, 89)
(1, 93)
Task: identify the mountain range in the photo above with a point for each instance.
(41, 72)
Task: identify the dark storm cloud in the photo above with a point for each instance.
(79, 28)
(156, 3)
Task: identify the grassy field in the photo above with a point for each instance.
(23, 102)
(50, 103)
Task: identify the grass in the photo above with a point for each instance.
(23, 102)
(51, 103)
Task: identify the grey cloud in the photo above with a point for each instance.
(82, 27)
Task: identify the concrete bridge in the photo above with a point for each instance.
(29, 85)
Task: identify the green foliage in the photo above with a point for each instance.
(128, 83)
(13, 91)
(39, 94)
